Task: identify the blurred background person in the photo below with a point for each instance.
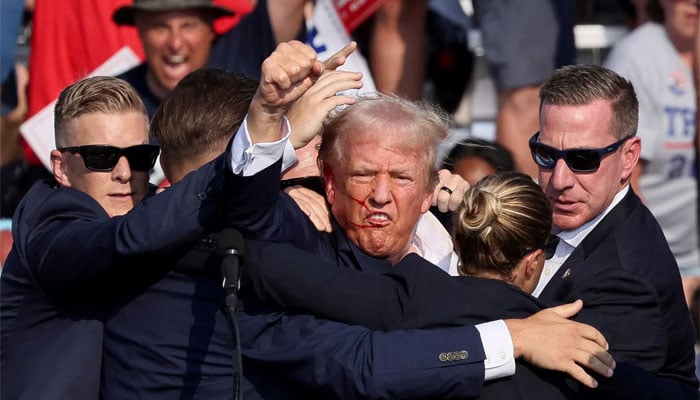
(475, 158)
(657, 57)
(524, 42)
(178, 37)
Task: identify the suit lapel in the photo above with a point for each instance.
(561, 282)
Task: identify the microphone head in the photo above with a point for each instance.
(230, 242)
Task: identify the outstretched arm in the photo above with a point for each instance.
(350, 362)
(292, 278)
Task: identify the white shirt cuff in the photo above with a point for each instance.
(498, 346)
(248, 159)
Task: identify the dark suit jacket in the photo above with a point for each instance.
(167, 338)
(262, 211)
(631, 290)
(67, 258)
(623, 271)
(417, 294)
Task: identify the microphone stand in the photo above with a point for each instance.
(231, 273)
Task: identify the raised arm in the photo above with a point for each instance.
(286, 74)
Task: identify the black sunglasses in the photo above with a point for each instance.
(548, 248)
(103, 158)
(578, 160)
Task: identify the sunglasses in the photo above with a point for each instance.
(548, 248)
(103, 158)
(578, 160)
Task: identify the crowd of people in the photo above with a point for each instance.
(556, 271)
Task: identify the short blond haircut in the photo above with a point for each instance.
(99, 94)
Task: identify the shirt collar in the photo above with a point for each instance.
(432, 242)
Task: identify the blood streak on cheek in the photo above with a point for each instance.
(363, 204)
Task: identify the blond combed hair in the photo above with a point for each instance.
(98, 94)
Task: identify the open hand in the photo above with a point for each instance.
(308, 113)
(549, 340)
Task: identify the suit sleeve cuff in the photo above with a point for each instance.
(498, 346)
(248, 159)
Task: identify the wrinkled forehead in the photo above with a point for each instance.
(576, 125)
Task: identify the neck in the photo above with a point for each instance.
(490, 275)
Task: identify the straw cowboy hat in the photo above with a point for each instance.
(125, 15)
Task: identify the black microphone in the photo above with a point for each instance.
(230, 249)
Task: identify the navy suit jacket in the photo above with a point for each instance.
(631, 290)
(167, 338)
(417, 294)
(66, 261)
(402, 363)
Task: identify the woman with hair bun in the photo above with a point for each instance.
(503, 230)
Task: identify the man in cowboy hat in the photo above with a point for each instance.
(178, 38)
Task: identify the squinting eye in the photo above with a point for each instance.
(361, 177)
(403, 180)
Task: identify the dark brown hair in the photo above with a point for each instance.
(202, 113)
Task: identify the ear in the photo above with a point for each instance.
(630, 156)
(532, 264)
(58, 166)
(427, 202)
(329, 184)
